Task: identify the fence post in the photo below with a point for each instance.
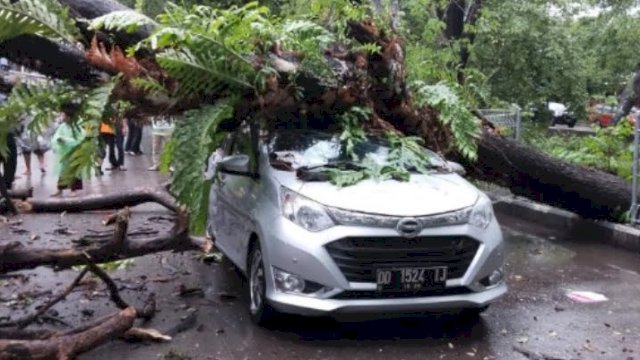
(518, 120)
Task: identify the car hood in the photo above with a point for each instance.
(421, 195)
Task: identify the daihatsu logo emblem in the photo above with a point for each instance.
(409, 227)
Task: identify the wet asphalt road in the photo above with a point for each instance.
(535, 319)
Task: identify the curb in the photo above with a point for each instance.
(622, 236)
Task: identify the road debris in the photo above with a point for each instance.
(586, 297)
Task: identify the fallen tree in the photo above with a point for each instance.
(527, 172)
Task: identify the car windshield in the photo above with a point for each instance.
(315, 149)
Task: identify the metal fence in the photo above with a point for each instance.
(505, 119)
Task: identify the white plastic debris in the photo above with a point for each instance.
(586, 297)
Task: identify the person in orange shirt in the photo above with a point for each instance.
(112, 135)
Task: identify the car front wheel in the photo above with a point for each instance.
(261, 312)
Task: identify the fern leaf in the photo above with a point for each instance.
(41, 101)
(195, 138)
(94, 106)
(453, 113)
(199, 73)
(45, 18)
(122, 20)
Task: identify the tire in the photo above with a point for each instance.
(260, 311)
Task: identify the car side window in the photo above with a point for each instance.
(241, 145)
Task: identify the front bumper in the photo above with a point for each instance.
(297, 251)
(302, 305)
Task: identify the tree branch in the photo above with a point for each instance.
(117, 200)
(68, 346)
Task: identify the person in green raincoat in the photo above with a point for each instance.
(63, 141)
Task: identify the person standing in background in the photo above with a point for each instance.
(132, 146)
(10, 162)
(112, 136)
(161, 129)
(65, 139)
(121, 132)
(30, 142)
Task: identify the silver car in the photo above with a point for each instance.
(311, 248)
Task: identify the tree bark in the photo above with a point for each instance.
(102, 202)
(68, 346)
(533, 174)
(60, 61)
(15, 256)
(19, 257)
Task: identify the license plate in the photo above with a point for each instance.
(411, 279)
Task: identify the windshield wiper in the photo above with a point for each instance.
(343, 165)
(316, 172)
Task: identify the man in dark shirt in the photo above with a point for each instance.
(10, 162)
(630, 97)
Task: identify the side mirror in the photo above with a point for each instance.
(456, 168)
(238, 164)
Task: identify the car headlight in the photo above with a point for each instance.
(482, 213)
(304, 211)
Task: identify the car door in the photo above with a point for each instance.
(236, 198)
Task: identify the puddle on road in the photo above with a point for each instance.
(526, 249)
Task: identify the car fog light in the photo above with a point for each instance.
(496, 277)
(288, 283)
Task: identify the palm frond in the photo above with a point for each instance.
(203, 71)
(40, 101)
(46, 18)
(123, 20)
(453, 113)
(195, 138)
(94, 107)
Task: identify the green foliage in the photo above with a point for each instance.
(453, 113)
(333, 13)
(37, 100)
(203, 46)
(352, 122)
(94, 107)
(406, 154)
(46, 18)
(123, 20)
(608, 150)
(43, 102)
(530, 55)
(201, 72)
(310, 39)
(40, 101)
(149, 85)
(194, 139)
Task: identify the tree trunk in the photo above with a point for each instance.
(60, 61)
(533, 174)
(68, 346)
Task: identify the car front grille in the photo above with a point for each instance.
(372, 294)
(359, 257)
